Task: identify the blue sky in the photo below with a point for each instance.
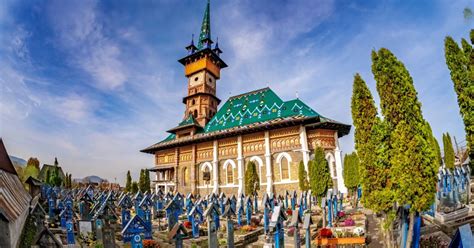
(93, 82)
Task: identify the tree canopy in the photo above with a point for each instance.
(252, 182)
(319, 176)
(449, 156)
(351, 171)
(460, 61)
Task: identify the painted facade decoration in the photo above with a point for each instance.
(208, 151)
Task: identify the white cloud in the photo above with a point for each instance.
(81, 35)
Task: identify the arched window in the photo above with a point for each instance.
(229, 166)
(193, 102)
(185, 176)
(285, 168)
(195, 113)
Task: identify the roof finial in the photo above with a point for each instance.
(192, 39)
(205, 36)
(297, 96)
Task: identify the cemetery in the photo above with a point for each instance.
(90, 217)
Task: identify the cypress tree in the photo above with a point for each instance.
(134, 187)
(449, 156)
(411, 150)
(47, 180)
(302, 178)
(460, 62)
(351, 172)
(147, 179)
(319, 176)
(141, 181)
(252, 183)
(128, 183)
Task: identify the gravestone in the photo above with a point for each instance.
(462, 238)
(249, 210)
(266, 213)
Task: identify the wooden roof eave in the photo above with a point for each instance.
(231, 132)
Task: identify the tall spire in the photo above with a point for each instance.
(205, 36)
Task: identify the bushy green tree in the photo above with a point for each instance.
(134, 187)
(449, 156)
(319, 176)
(252, 182)
(411, 150)
(460, 61)
(31, 169)
(302, 178)
(128, 184)
(147, 179)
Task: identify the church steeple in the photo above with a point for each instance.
(205, 36)
(202, 67)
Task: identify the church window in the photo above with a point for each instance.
(193, 102)
(229, 175)
(195, 113)
(285, 168)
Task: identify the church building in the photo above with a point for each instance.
(209, 149)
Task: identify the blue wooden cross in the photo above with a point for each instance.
(70, 232)
(212, 216)
(125, 204)
(195, 216)
(307, 222)
(172, 212)
(286, 199)
(462, 238)
(296, 222)
(136, 226)
(255, 200)
(249, 210)
(229, 213)
(240, 212)
(276, 223)
(266, 212)
(293, 200)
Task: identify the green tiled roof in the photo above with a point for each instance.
(249, 108)
(256, 106)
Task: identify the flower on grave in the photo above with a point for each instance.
(150, 243)
(248, 228)
(341, 214)
(325, 233)
(291, 231)
(289, 212)
(349, 222)
(187, 224)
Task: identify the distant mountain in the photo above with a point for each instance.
(18, 161)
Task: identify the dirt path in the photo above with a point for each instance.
(373, 231)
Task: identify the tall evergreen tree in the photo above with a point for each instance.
(460, 62)
(411, 150)
(141, 181)
(319, 176)
(47, 179)
(351, 173)
(128, 183)
(252, 182)
(147, 179)
(449, 156)
(302, 178)
(134, 187)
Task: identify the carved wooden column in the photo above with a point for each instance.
(176, 171)
(240, 165)
(337, 156)
(194, 178)
(304, 147)
(215, 168)
(268, 162)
